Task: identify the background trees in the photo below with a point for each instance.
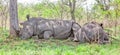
(105, 11)
(101, 11)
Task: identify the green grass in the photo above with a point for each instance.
(16, 46)
(55, 47)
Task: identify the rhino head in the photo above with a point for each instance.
(26, 31)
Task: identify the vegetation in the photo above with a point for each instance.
(59, 10)
(16, 46)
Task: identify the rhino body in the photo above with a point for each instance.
(46, 28)
(92, 32)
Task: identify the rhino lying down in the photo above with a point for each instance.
(46, 28)
(92, 32)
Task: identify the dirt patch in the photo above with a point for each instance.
(57, 42)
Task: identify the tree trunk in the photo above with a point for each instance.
(72, 4)
(61, 11)
(14, 26)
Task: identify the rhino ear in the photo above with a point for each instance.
(92, 22)
(101, 24)
(28, 17)
(21, 23)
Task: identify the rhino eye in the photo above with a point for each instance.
(28, 28)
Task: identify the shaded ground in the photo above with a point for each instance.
(55, 47)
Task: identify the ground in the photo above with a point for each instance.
(16, 46)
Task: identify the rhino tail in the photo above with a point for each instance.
(28, 17)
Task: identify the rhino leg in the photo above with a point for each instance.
(82, 37)
(47, 34)
(75, 39)
(75, 29)
(40, 36)
(102, 41)
(81, 40)
(71, 37)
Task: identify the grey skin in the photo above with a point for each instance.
(46, 28)
(92, 32)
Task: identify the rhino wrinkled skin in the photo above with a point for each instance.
(46, 28)
(92, 32)
(63, 29)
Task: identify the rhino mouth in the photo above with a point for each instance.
(24, 35)
(104, 41)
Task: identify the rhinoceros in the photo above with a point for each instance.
(92, 32)
(46, 28)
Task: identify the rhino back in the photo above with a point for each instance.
(61, 28)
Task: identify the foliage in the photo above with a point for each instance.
(16, 46)
(30, 47)
(46, 10)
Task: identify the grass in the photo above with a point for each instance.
(16, 46)
(55, 47)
